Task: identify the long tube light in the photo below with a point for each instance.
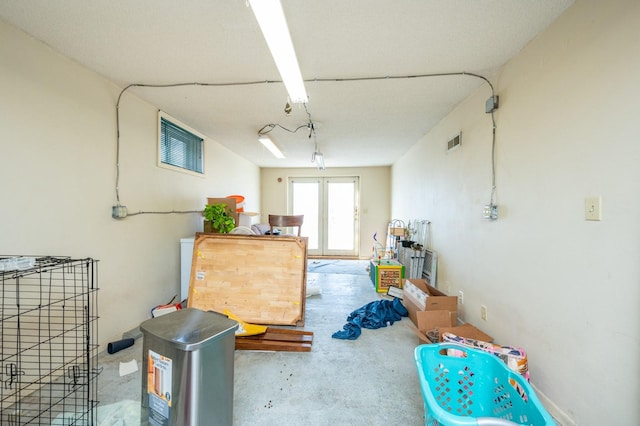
(268, 143)
(273, 24)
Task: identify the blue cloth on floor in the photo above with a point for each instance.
(372, 315)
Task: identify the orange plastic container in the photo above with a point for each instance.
(239, 202)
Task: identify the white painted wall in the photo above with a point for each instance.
(375, 184)
(57, 167)
(565, 289)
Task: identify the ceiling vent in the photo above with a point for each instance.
(455, 142)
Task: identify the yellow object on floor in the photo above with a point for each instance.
(244, 328)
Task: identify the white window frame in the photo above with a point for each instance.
(178, 123)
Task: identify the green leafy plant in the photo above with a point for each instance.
(219, 218)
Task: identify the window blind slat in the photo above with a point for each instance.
(180, 148)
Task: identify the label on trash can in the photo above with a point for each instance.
(159, 389)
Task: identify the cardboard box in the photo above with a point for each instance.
(420, 296)
(445, 322)
(429, 308)
(230, 204)
(467, 330)
(429, 320)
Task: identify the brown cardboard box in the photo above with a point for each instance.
(445, 322)
(467, 330)
(231, 206)
(429, 320)
(429, 308)
(417, 296)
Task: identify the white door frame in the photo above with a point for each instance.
(323, 213)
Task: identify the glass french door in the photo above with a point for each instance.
(330, 209)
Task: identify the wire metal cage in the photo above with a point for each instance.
(48, 335)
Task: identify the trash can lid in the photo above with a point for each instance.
(189, 328)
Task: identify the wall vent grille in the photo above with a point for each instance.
(455, 142)
(429, 267)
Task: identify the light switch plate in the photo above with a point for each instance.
(593, 208)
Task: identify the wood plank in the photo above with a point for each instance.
(284, 337)
(277, 339)
(263, 345)
(261, 279)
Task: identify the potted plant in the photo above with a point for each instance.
(218, 218)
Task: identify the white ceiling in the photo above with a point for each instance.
(358, 123)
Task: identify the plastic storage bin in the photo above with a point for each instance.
(476, 389)
(187, 369)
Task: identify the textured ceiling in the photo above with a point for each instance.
(358, 123)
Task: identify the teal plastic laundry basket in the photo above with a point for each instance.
(475, 389)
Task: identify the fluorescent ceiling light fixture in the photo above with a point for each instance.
(318, 158)
(274, 27)
(266, 141)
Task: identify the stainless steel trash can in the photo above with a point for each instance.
(187, 369)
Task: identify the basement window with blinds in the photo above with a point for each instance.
(180, 147)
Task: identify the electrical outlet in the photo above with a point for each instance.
(483, 312)
(460, 298)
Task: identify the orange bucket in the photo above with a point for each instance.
(239, 202)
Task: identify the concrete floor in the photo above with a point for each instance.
(368, 381)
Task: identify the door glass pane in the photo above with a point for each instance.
(305, 199)
(340, 210)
